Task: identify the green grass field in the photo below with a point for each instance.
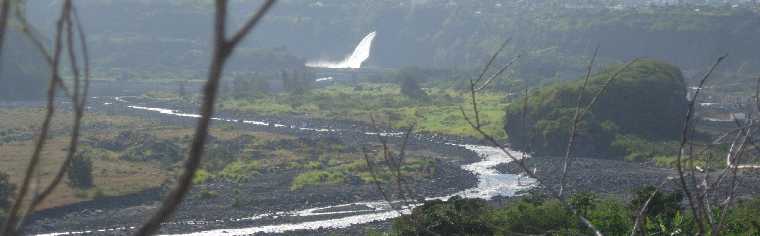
(440, 113)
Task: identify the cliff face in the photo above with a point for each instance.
(648, 100)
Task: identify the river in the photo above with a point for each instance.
(491, 184)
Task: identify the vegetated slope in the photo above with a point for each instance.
(174, 34)
(647, 101)
(24, 71)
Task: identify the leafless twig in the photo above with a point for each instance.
(576, 120)
(644, 207)
(9, 227)
(693, 203)
(4, 10)
(79, 101)
(223, 48)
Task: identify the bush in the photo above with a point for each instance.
(536, 215)
(411, 89)
(80, 170)
(208, 194)
(317, 178)
(743, 219)
(524, 217)
(454, 217)
(201, 176)
(6, 191)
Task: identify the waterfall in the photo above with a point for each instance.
(353, 61)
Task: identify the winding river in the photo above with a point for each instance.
(491, 184)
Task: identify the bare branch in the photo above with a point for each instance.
(643, 209)
(527, 171)
(78, 100)
(250, 24)
(26, 29)
(684, 140)
(717, 227)
(492, 60)
(223, 48)
(9, 227)
(576, 120)
(4, 10)
(497, 74)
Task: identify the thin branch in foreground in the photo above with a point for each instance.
(10, 225)
(498, 73)
(477, 126)
(576, 120)
(682, 149)
(223, 48)
(644, 207)
(581, 113)
(492, 60)
(79, 101)
(527, 171)
(26, 29)
(4, 12)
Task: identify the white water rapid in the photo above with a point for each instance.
(353, 61)
(491, 184)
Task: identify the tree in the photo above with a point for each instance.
(297, 82)
(411, 89)
(6, 190)
(80, 171)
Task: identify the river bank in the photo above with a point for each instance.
(267, 194)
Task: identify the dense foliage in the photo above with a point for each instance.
(535, 214)
(646, 100)
(6, 190)
(431, 33)
(80, 170)
(410, 87)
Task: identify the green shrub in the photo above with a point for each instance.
(238, 171)
(536, 215)
(611, 217)
(411, 89)
(743, 219)
(456, 216)
(201, 176)
(79, 174)
(208, 194)
(165, 152)
(6, 191)
(317, 178)
(523, 217)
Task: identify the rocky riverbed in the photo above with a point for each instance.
(232, 202)
(614, 178)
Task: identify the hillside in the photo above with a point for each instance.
(24, 74)
(648, 100)
(427, 33)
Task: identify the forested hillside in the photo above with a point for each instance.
(549, 35)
